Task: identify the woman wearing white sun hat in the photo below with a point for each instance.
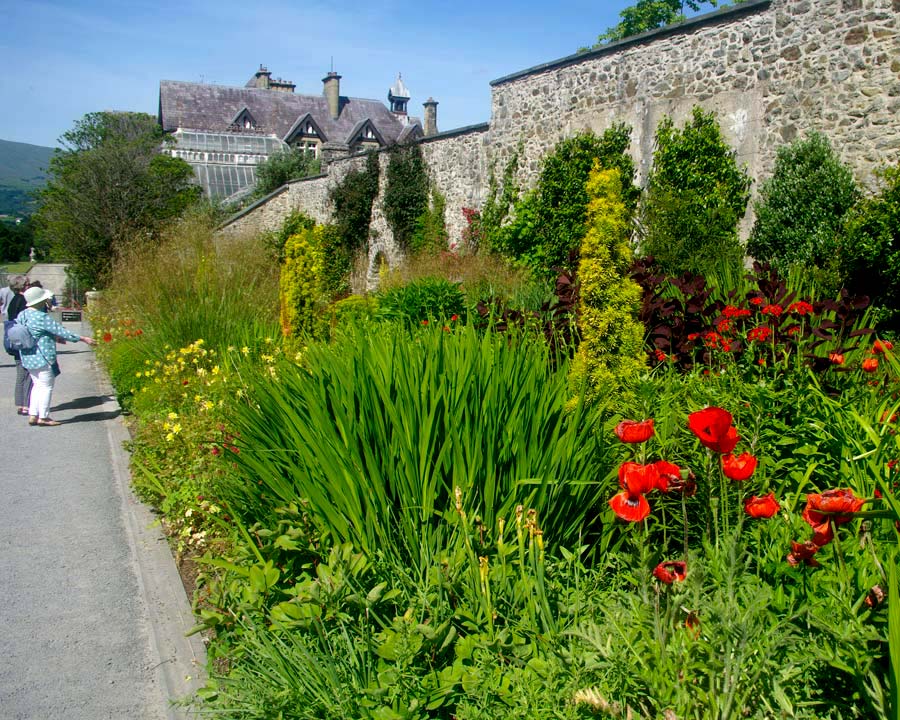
(39, 359)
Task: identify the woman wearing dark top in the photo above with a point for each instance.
(23, 378)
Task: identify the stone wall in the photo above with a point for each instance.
(772, 70)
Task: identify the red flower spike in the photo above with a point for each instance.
(762, 507)
(713, 426)
(632, 431)
(738, 467)
(628, 507)
(803, 554)
(669, 476)
(669, 572)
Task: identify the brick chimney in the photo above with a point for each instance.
(332, 91)
(430, 117)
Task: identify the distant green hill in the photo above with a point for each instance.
(23, 169)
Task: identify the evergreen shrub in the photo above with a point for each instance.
(406, 192)
(303, 281)
(611, 349)
(696, 196)
(802, 206)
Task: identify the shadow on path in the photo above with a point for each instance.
(83, 403)
(92, 417)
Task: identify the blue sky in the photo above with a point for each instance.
(65, 58)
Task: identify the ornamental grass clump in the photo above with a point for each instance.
(375, 431)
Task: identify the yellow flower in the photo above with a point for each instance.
(245, 350)
(176, 428)
(267, 358)
(170, 437)
(207, 405)
(173, 416)
(215, 370)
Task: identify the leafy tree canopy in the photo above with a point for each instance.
(110, 185)
(283, 167)
(649, 15)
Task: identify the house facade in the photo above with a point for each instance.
(225, 132)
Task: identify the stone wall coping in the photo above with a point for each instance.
(726, 13)
(263, 200)
(465, 130)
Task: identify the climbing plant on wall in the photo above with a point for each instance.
(406, 192)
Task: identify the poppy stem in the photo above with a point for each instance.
(685, 521)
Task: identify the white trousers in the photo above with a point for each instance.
(42, 391)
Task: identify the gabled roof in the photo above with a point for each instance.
(198, 106)
(243, 112)
(300, 122)
(358, 129)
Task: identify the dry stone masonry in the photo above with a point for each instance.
(772, 70)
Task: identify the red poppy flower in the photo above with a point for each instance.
(638, 479)
(692, 623)
(669, 475)
(713, 426)
(107, 337)
(630, 507)
(762, 507)
(882, 346)
(841, 502)
(870, 365)
(836, 358)
(738, 467)
(803, 554)
(633, 431)
(454, 318)
(661, 356)
(669, 572)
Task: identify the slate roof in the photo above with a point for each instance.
(200, 106)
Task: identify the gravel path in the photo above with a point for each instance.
(92, 612)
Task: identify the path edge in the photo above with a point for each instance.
(178, 662)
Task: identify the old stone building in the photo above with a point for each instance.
(225, 132)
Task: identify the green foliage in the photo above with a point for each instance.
(801, 207)
(303, 282)
(406, 192)
(352, 199)
(296, 222)
(110, 185)
(500, 202)
(550, 220)
(611, 352)
(283, 167)
(382, 429)
(431, 230)
(649, 15)
(696, 196)
(427, 299)
(869, 249)
(16, 241)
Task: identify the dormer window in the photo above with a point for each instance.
(244, 121)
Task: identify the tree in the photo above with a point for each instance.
(16, 241)
(110, 185)
(696, 196)
(649, 15)
(802, 206)
(283, 167)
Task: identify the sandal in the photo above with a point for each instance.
(32, 420)
(22, 411)
(48, 422)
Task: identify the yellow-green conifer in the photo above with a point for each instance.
(611, 352)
